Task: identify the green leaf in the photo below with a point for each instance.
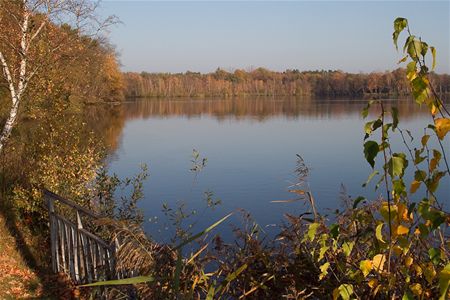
(399, 25)
(414, 49)
(408, 41)
(403, 59)
(312, 229)
(365, 111)
(394, 117)
(369, 179)
(347, 248)
(408, 296)
(371, 150)
(322, 252)
(420, 175)
(368, 127)
(424, 49)
(210, 295)
(133, 280)
(345, 291)
(230, 277)
(358, 200)
(444, 281)
(435, 255)
(334, 230)
(176, 280)
(397, 164)
(196, 236)
(433, 54)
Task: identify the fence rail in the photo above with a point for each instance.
(82, 255)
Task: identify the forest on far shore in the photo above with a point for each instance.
(263, 82)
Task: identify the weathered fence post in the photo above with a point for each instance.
(51, 213)
(84, 256)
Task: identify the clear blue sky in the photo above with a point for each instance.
(353, 36)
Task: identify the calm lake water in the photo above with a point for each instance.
(251, 146)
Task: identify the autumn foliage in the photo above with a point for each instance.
(263, 82)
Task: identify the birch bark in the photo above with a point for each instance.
(16, 92)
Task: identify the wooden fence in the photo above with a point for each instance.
(82, 255)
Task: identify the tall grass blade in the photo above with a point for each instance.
(133, 280)
(196, 236)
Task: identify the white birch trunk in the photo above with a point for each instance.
(9, 125)
(16, 93)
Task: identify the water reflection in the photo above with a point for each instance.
(251, 146)
(259, 108)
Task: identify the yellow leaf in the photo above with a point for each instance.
(397, 250)
(414, 186)
(429, 273)
(336, 293)
(401, 230)
(418, 270)
(366, 267)
(416, 289)
(379, 233)
(386, 208)
(408, 261)
(442, 127)
(372, 283)
(434, 109)
(433, 164)
(324, 270)
(378, 262)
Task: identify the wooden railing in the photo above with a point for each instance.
(82, 255)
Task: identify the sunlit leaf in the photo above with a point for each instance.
(345, 291)
(347, 247)
(442, 127)
(378, 262)
(379, 232)
(312, 229)
(403, 59)
(397, 164)
(414, 186)
(365, 266)
(444, 281)
(416, 288)
(402, 230)
(433, 54)
(324, 270)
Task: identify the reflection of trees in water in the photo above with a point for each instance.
(107, 120)
(259, 108)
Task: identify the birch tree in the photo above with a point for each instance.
(23, 26)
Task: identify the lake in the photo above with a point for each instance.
(251, 146)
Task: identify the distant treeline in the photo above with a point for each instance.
(263, 82)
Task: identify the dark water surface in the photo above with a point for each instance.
(251, 146)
